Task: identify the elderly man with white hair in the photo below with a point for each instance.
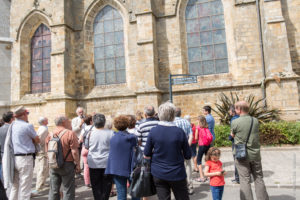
(77, 126)
(41, 164)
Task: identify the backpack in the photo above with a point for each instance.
(207, 137)
(55, 151)
(86, 137)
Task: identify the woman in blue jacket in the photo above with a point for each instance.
(120, 156)
(168, 147)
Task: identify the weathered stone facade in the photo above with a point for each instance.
(5, 55)
(155, 45)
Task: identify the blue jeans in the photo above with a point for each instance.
(217, 192)
(1, 172)
(121, 184)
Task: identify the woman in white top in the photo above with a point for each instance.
(99, 145)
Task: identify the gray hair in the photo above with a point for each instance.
(149, 111)
(166, 112)
(78, 108)
(99, 120)
(187, 117)
(60, 120)
(41, 120)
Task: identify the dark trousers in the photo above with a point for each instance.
(66, 176)
(164, 187)
(2, 192)
(101, 183)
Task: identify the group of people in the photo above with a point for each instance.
(105, 151)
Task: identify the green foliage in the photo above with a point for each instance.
(222, 133)
(282, 132)
(255, 110)
(271, 133)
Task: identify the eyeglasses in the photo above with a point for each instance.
(215, 154)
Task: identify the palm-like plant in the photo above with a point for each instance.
(255, 108)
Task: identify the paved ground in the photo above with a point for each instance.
(281, 168)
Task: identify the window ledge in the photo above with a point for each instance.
(241, 2)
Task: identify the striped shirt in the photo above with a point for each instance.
(184, 125)
(144, 129)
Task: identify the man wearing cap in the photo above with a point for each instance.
(24, 138)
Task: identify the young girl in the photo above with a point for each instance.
(213, 169)
(201, 132)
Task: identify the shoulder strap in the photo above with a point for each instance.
(250, 130)
(89, 131)
(62, 133)
(67, 154)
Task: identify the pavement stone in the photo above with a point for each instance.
(281, 167)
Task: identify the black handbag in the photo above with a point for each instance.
(241, 149)
(142, 184)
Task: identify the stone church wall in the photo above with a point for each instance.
(5, 56)
(155, 45)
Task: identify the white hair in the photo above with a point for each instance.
(41, 120)
(166, 112)
(187, 117)
(78, 108)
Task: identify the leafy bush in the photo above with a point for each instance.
(280, 133)
(255, 110)
(271, 133)
(222, 133)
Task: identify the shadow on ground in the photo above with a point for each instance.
(199, 192)
(281, 197)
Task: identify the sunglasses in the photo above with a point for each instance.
(215, 154)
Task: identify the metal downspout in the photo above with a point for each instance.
(263, 85)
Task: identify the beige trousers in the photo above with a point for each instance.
(246, 169)
(188, 169)
(21, 188)
(42, 171)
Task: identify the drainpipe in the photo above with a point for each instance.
(263, 85)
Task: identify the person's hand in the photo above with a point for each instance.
(77, 170)
(82, 122)
(223, 173)
(219, 174)
(232, 135)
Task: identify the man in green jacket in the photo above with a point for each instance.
(252, 164)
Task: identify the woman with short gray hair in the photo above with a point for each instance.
(168, 147)
(99, 145)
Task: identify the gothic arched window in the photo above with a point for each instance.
(206, 39)
(40, 60)
(109, 47)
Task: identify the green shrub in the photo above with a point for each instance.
(282, 132)
(222, 133)
(271, 133)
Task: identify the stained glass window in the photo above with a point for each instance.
(40, 60)
(109, 47)
(206, 39)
